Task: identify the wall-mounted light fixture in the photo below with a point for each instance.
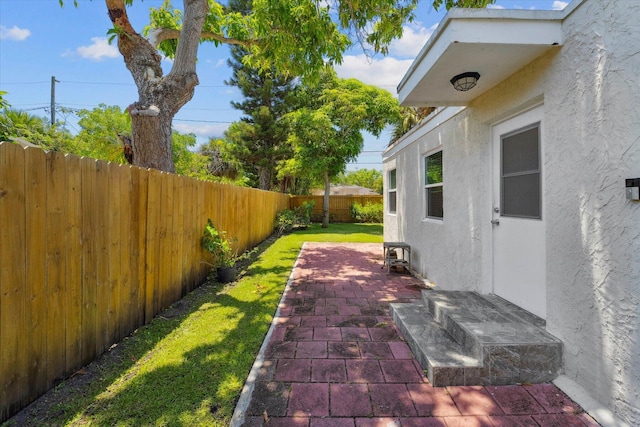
(465, 81)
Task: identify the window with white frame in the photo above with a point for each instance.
(433, 188)
(391, 193)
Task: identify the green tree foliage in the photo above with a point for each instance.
(369, 212)
(219, 164)
(448, 4)
(101, 130)
(409, 117)
(326, 131)
(296, 37)
(3, 102)
(257, 143)
(188, 162)
(16, 124)
(368, 178)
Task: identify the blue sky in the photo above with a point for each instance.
(39, 39)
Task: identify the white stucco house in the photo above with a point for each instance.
(517, 186)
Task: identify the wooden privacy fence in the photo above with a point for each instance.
(91, 250)
(339, 206)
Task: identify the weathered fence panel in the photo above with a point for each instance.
(339, 206)
(13, 292)
(90, 250)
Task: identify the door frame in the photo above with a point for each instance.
(521, 120)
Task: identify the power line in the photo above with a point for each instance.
(201, 121)
(24, 83)
(94, 83)
(97, 83)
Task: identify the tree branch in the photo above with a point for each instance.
(158, 35)
(142, 59)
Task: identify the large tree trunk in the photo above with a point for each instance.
(325, 200)
(152, 142)
(159, 98)
(265, 178)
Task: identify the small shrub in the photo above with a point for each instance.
(300, 217)
(304, 213)
(217, 244)
(285, 220)
(317, 217)
(370, 212)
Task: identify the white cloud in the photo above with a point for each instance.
(559, 5)
(385, 73)
(202, 130)
(494, 6)
(15, 33)
(97, 50)
(413, 39)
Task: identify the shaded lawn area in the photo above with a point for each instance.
(188, 366)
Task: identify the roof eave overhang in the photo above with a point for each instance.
(493, 42)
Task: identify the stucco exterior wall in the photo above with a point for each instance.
(591, 132)
(456, 242)
(593, 240)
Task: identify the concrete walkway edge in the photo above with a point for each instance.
(245, 396)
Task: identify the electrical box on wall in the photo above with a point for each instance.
(633, 188)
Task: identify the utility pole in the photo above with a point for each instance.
(53, 99)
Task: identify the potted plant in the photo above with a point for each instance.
(223, 254)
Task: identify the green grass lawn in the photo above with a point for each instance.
(188, 366)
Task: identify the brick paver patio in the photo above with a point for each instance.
(335, 359)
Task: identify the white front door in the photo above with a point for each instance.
(518, 212)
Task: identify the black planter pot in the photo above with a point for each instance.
(226, 274)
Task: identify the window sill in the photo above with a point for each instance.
(433, 221)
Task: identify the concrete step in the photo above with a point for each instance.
(463, 338)
(445, 361)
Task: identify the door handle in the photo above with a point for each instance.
(495, 221)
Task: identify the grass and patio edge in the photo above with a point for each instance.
(189, 365)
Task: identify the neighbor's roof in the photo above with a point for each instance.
(346, 190)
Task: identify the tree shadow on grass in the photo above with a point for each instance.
(201, 387)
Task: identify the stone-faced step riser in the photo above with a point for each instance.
(457, 332)
(503, 363)
(463, 337)
(432, 306)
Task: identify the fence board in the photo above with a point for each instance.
(12, 278)
(179, 289)
(165, 243)
(188, 252)
(126, 292)
(153, 230)
(205, 211)
(88, 169)
(138, 201)
(102, 253)
(36, 214)
(55, 236)
(114, 248)
(73, 265)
